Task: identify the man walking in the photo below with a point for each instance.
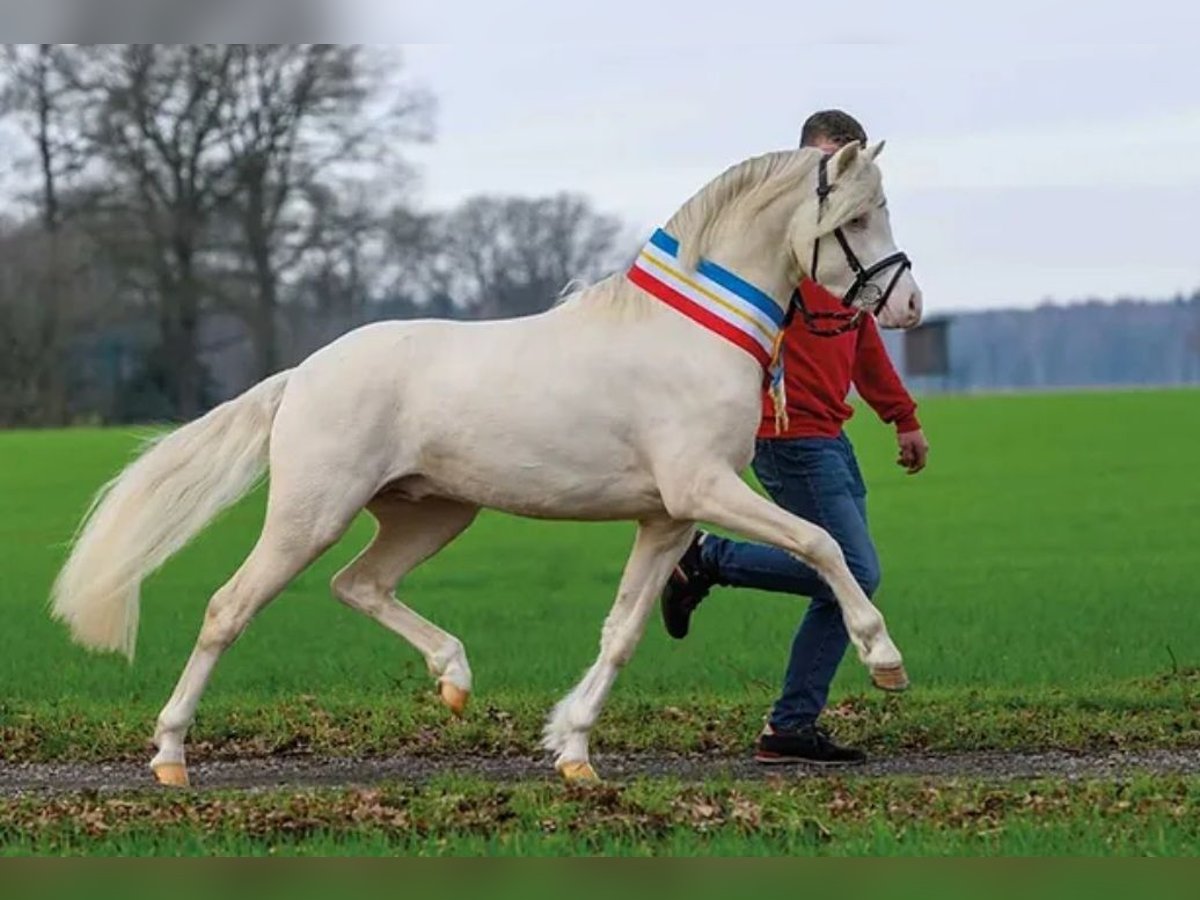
(809, 469)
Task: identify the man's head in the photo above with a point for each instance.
(831, 129)
(864, 234)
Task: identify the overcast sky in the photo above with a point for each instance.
(1017, 171)
(1014, 173)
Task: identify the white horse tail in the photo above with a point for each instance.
(163, 499)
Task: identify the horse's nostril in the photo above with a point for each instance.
(912, 304)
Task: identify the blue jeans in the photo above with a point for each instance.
(817, 479)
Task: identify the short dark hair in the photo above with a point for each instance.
(832, 125)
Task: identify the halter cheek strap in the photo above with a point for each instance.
(864, 295)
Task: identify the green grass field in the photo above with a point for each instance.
(1038, 578)
(465, 817)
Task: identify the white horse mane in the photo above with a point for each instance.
(730, 202)
(735, 196)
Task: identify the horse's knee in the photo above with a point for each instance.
(818, 547)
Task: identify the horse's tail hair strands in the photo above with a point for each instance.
(163, 499)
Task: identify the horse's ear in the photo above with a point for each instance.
(844, 158)
(873, 152)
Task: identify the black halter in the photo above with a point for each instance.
(864, 295)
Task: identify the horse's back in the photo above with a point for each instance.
(551, 415)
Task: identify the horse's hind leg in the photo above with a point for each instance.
(409, 533)
(293, 535)
(656, 549)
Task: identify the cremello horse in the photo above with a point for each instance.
(611, 405)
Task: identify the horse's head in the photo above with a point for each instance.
(841, 237)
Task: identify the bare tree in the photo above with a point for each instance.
(22, 323)
(156, 117)
(297, 118)
(36, 92)
(344, 254)
(246, 177)
(212, 175)
(417, 266)
(511, 256)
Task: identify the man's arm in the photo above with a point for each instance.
(880, 386)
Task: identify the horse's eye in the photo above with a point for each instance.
(858, 223)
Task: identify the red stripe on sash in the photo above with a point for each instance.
(698, 314)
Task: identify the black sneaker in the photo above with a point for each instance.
(810, 744)
(687, 586)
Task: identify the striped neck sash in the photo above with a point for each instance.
(720, 301)
(712, 297)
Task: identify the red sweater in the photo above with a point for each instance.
(818, 372)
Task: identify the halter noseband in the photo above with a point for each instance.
(864, 295)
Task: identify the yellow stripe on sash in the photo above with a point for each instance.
(768, 337)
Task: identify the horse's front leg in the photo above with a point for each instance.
(656, 549)
(718, 495)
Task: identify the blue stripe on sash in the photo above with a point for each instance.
(726, 279)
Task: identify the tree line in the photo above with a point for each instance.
(1088, 343)
(166, 198)
(182, 220)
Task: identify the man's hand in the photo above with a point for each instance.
(914, 451)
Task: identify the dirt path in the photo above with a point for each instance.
(297, 772)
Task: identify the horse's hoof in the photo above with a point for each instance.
(578, 773)
(171, 774)
(894, 679)
(454, 697)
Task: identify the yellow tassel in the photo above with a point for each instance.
(778, 389)
(779, 400)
